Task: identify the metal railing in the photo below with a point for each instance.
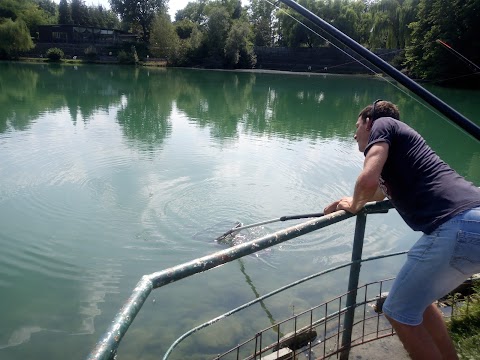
(318, 333)
(298, 334)
(106, 348)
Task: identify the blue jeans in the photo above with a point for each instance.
(435, 265)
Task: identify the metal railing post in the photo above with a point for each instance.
(353, 284)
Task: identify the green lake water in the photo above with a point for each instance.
(109, 173)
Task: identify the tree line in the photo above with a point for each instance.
(223, 33)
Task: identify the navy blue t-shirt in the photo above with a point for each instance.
(425, 191)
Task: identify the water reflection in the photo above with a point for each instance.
(18, 92)
(223, 101)
(144, 113)
(227, 102)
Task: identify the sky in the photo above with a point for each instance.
(173, 5)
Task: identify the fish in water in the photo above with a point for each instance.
(234, 237)
(212, 233)
(231, 234)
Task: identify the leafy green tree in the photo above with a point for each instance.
(98, 16)
(457, 22)
(49, 7)
(128, 57)
(391, 19)
(194, 11)
(262, 17)
(9, 9)
(111, 20)
(233, 7)
(384, 32)
(164, 40)
(468, 40)
(107, 17)
(191, 50)
(141, 13)
(79, 12)
(184, 28)
(196, 43)
(64, 13)
(364, 23)
(347, 21)
(295, 29)
(237, 11)
(407, 14)
(94, 16)
(33, 16)
(239, 46)
(14, 38)
(218, 26)
(29, 11)
(423, 34)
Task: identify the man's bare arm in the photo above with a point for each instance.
(366, 186)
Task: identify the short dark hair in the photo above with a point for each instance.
(382, 109)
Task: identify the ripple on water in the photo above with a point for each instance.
(184, 212)
(181, 206)
(201, 213)
(41, 257)
(47, 177)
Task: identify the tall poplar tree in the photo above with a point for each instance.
(79, 12)
(64, 13)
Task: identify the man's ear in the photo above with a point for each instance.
(369, 124)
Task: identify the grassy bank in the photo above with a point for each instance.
(151, 63)
(465, 328)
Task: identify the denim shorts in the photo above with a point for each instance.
(435, 265)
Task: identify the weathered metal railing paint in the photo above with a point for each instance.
(107, 346)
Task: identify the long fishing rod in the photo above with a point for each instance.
(466, 124)
(455, 52)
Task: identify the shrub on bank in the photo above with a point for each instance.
(128, 57)
(55, 54)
